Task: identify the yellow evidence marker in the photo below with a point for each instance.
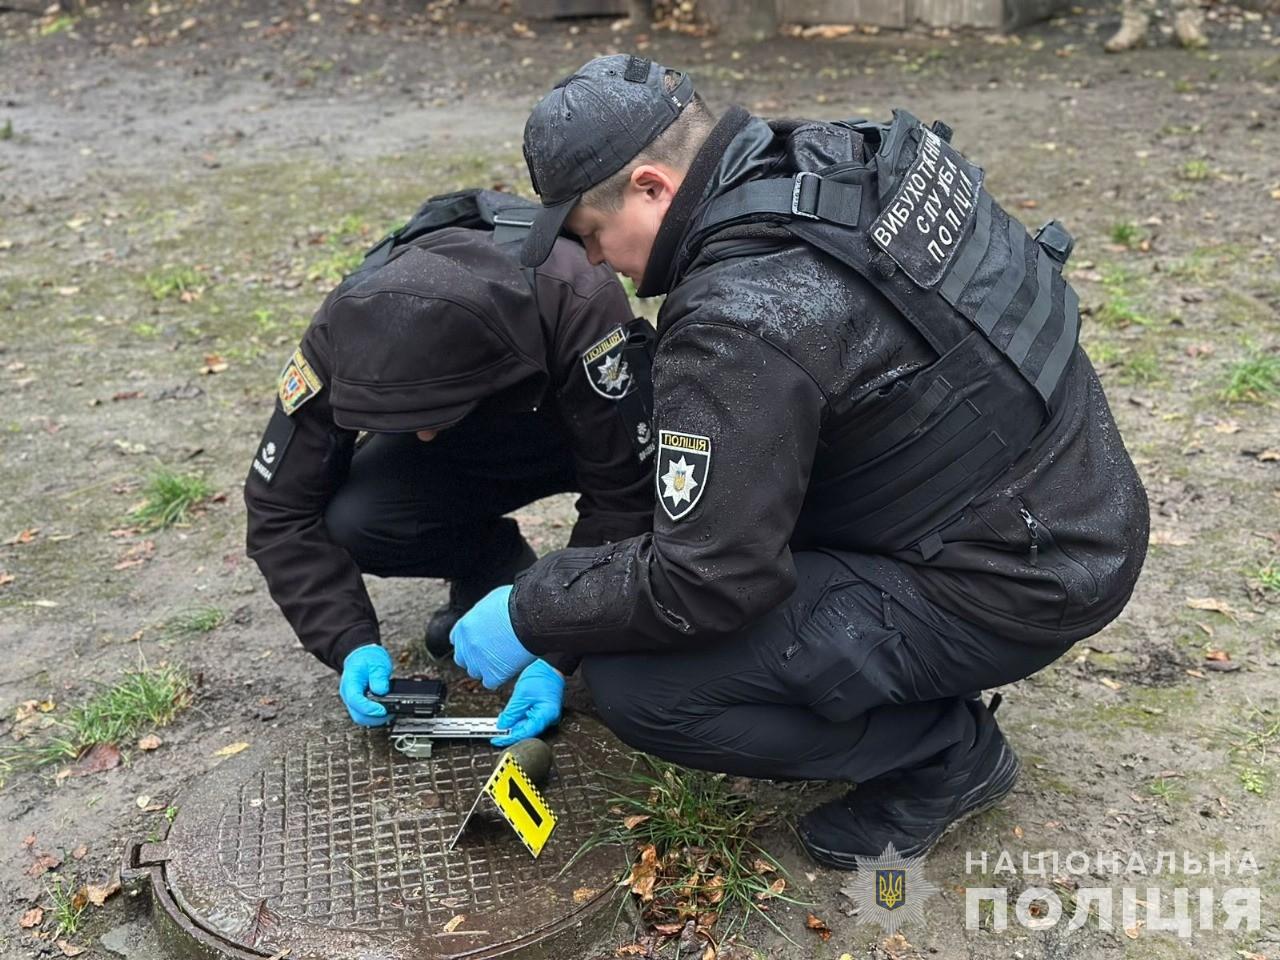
(520, 804)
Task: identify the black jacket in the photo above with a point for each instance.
(534, 351)
(774, 352)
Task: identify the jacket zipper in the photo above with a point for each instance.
(1041, 534)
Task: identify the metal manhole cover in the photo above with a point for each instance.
(331, 844)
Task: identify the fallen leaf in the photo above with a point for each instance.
(634, 821)
(631, 950)
(455, 923)
(1200, 350)
(213, 363)
(22, 536)
(583, 894)
(1217, 655)
(42, 865)
(1213, 604)
(1134, 931)
(99, 758)
(98, 894)
(143, 800)
(128, 395)
(231, 749)
(1167, 538)
(69, 949)
(818, 926)
(1195, 673)
(1017, 831)
(136, 555)
(668, 929)
(644, 874)
(32, 918)
(763, 866)
(775, 890)
(1110, 684)
(149, 742)
(6, 578)
(1269, 456)
(709, 953)
(79, 852)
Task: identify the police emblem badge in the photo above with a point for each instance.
(606, 371)
(890, 890)
(298, 383)
(684, 460)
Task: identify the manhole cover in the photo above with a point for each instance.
(330, 844)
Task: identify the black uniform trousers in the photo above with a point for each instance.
(410, 508)
(854, 676)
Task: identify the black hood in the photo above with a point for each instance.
(449, 323)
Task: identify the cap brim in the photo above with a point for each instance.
(403, 421)
(546, 227)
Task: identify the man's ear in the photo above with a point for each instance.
(656, 181)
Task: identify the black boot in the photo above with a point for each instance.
(913, 809)
(466, 592)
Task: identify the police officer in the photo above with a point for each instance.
(483, 387)
(887, 476)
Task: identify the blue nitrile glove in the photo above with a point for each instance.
(485, 644)
(366, 668)
(534, 705)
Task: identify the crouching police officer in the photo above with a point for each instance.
(522, 383)
(887, 476)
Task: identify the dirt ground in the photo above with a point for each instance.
(261, 143)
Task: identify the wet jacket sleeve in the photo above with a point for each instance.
(725, 562)
(314, 581)
(616, 492)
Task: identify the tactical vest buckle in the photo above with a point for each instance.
(808, 197)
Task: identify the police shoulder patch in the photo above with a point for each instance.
(684, 464)
(271, 451)
(298, 383)
(606, 371)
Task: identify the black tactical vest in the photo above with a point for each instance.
(917, 223)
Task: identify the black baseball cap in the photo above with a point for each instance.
(590, 126)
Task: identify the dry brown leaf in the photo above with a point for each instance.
(213, 363)
(98, 894)
(231, 749)
(775, 890)
(1134, 931)
(99, 758)
(69, 949)
(763, 866)
(714, 891)
(1269, 455)
(1110, 684)
(43, 864)
(22, 536)
(149, 742)
(136, 555)
(1217, 655)
(583, 894)
(79, 852)
(1195, 673)
(635, 820)
(668, 929)
(1213, 604)
(1167, 538)
(709, 953)
(6, 578)
(1017, 831)
(1226, 426)
(32, 918)
(818, 926)
(455, 923)
(644, 874)
(631, 950)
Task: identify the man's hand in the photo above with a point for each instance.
(534, 705)
(366, 668)
(485, 644)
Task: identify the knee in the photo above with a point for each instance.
(349, 521)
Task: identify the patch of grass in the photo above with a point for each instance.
(1254, 780)
(694, 836)
(336, 265)
(1254, 379)
(1123, 306)
(170, 499)
(1141, 368)
(192, 622)
(67, 908)
(142, 699)
(6, 132)
(1195, 170)
(1103, 353)
(1268, 578)
(1166, 790)
(169, 282)
(1127, 234)
(1252, 743)
(57, 25)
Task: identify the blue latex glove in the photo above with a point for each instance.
(534, 705)
(485, 644)
(366, 668)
